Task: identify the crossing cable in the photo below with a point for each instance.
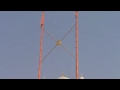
(68, 32)
(61, 45)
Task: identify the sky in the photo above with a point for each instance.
(99, 44)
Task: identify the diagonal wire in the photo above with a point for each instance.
(63, 26)
(48, 53)
(67, 51)
(50, 35)
(56, 45)
(68, 32)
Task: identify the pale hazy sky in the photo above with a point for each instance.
(99, 44)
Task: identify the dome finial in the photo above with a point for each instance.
(81, 77)
(62, 74)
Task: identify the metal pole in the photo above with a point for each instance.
(77, 67)
(41, 42)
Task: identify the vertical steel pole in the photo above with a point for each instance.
(77, 67)
(41, 42)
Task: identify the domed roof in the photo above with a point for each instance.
(81, 77)
(63, 77)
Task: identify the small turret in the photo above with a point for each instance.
(81, 77)
(63, 77)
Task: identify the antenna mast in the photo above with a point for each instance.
(41, 41)
(77, 73)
